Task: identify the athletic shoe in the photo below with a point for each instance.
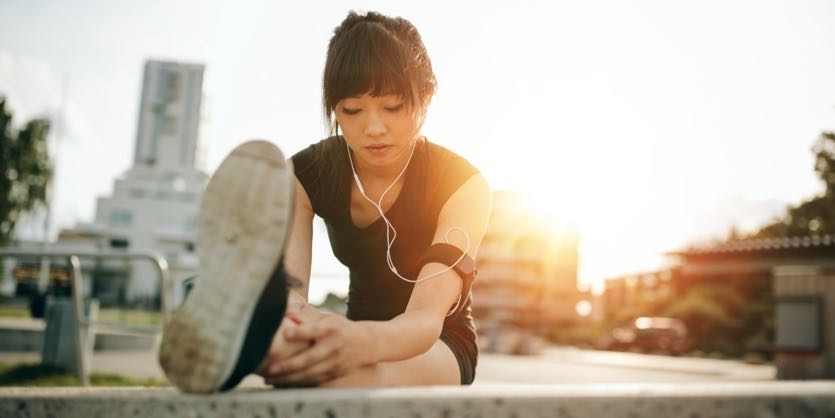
(224, 328)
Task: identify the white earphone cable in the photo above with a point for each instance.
(391, 233)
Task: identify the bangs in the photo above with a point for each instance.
(370, 60)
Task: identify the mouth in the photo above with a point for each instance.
(377, 148)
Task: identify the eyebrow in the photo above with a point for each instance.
(359, 96)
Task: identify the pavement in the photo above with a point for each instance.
(555, 365)
(570, 365)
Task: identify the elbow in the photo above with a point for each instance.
(426, 330)
(433, 333)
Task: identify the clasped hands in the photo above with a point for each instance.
(313, 347)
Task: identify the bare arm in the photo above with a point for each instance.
(297, 254)
(416, 330)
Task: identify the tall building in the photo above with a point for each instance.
(169, 116)
(154, 204)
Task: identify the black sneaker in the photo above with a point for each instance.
(224, 328)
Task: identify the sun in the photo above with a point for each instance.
(567, 192)
(555, 208)
(594, 224)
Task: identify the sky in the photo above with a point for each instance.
(650, 125)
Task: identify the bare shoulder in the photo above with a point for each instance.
(467, 210)
(475, 192)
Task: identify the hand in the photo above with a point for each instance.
(280, 348)
(298, 311)
(297, 306)
(338, 346)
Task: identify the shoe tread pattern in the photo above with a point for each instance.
(243, 224)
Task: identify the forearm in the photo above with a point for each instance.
(297, 287)
(415, 331)
(404, 336)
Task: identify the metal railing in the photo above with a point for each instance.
(83, 326)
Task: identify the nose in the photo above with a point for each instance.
(375, 124)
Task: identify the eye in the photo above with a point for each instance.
(350, 111)
(394, 108)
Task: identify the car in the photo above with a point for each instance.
(651, 334)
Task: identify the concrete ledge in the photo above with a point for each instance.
(758, 399)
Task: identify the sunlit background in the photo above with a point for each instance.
(646, 126)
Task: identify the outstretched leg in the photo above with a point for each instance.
(226, 325)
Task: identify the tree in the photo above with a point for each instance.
(25, 170)
(824, 150)
(815, 216)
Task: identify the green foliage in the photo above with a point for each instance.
(824, 150)
(45, 375)
(26, 374)
(815, 216)
(724, 316)
(760, 343)
(25, 170)
(736, 314)
(7, 311)
(706, 309)
(130, 316)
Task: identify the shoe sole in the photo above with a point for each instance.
(243, 224)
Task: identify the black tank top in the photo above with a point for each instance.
(375, 293)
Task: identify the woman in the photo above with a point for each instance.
(405, 216)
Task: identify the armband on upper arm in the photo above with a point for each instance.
(459, 261)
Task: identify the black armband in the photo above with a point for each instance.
(459, 261)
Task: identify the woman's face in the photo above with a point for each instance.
(379, 130)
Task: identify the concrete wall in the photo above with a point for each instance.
(808, 281)
(28, 336)
(761, 399)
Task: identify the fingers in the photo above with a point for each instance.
(320, 352)
(311, 377)
(330, 355)
(293, 316)
(312, 328)
(300, 310)
(281, 348)
(319, 373)
(321, 362)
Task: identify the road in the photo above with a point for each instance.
(572, 365)
(555, 365)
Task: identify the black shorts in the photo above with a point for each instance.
(462, 342)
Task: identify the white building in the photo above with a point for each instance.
(154, 204)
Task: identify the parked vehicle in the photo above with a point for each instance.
(651, 334)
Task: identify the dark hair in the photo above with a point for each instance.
(376, 54)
